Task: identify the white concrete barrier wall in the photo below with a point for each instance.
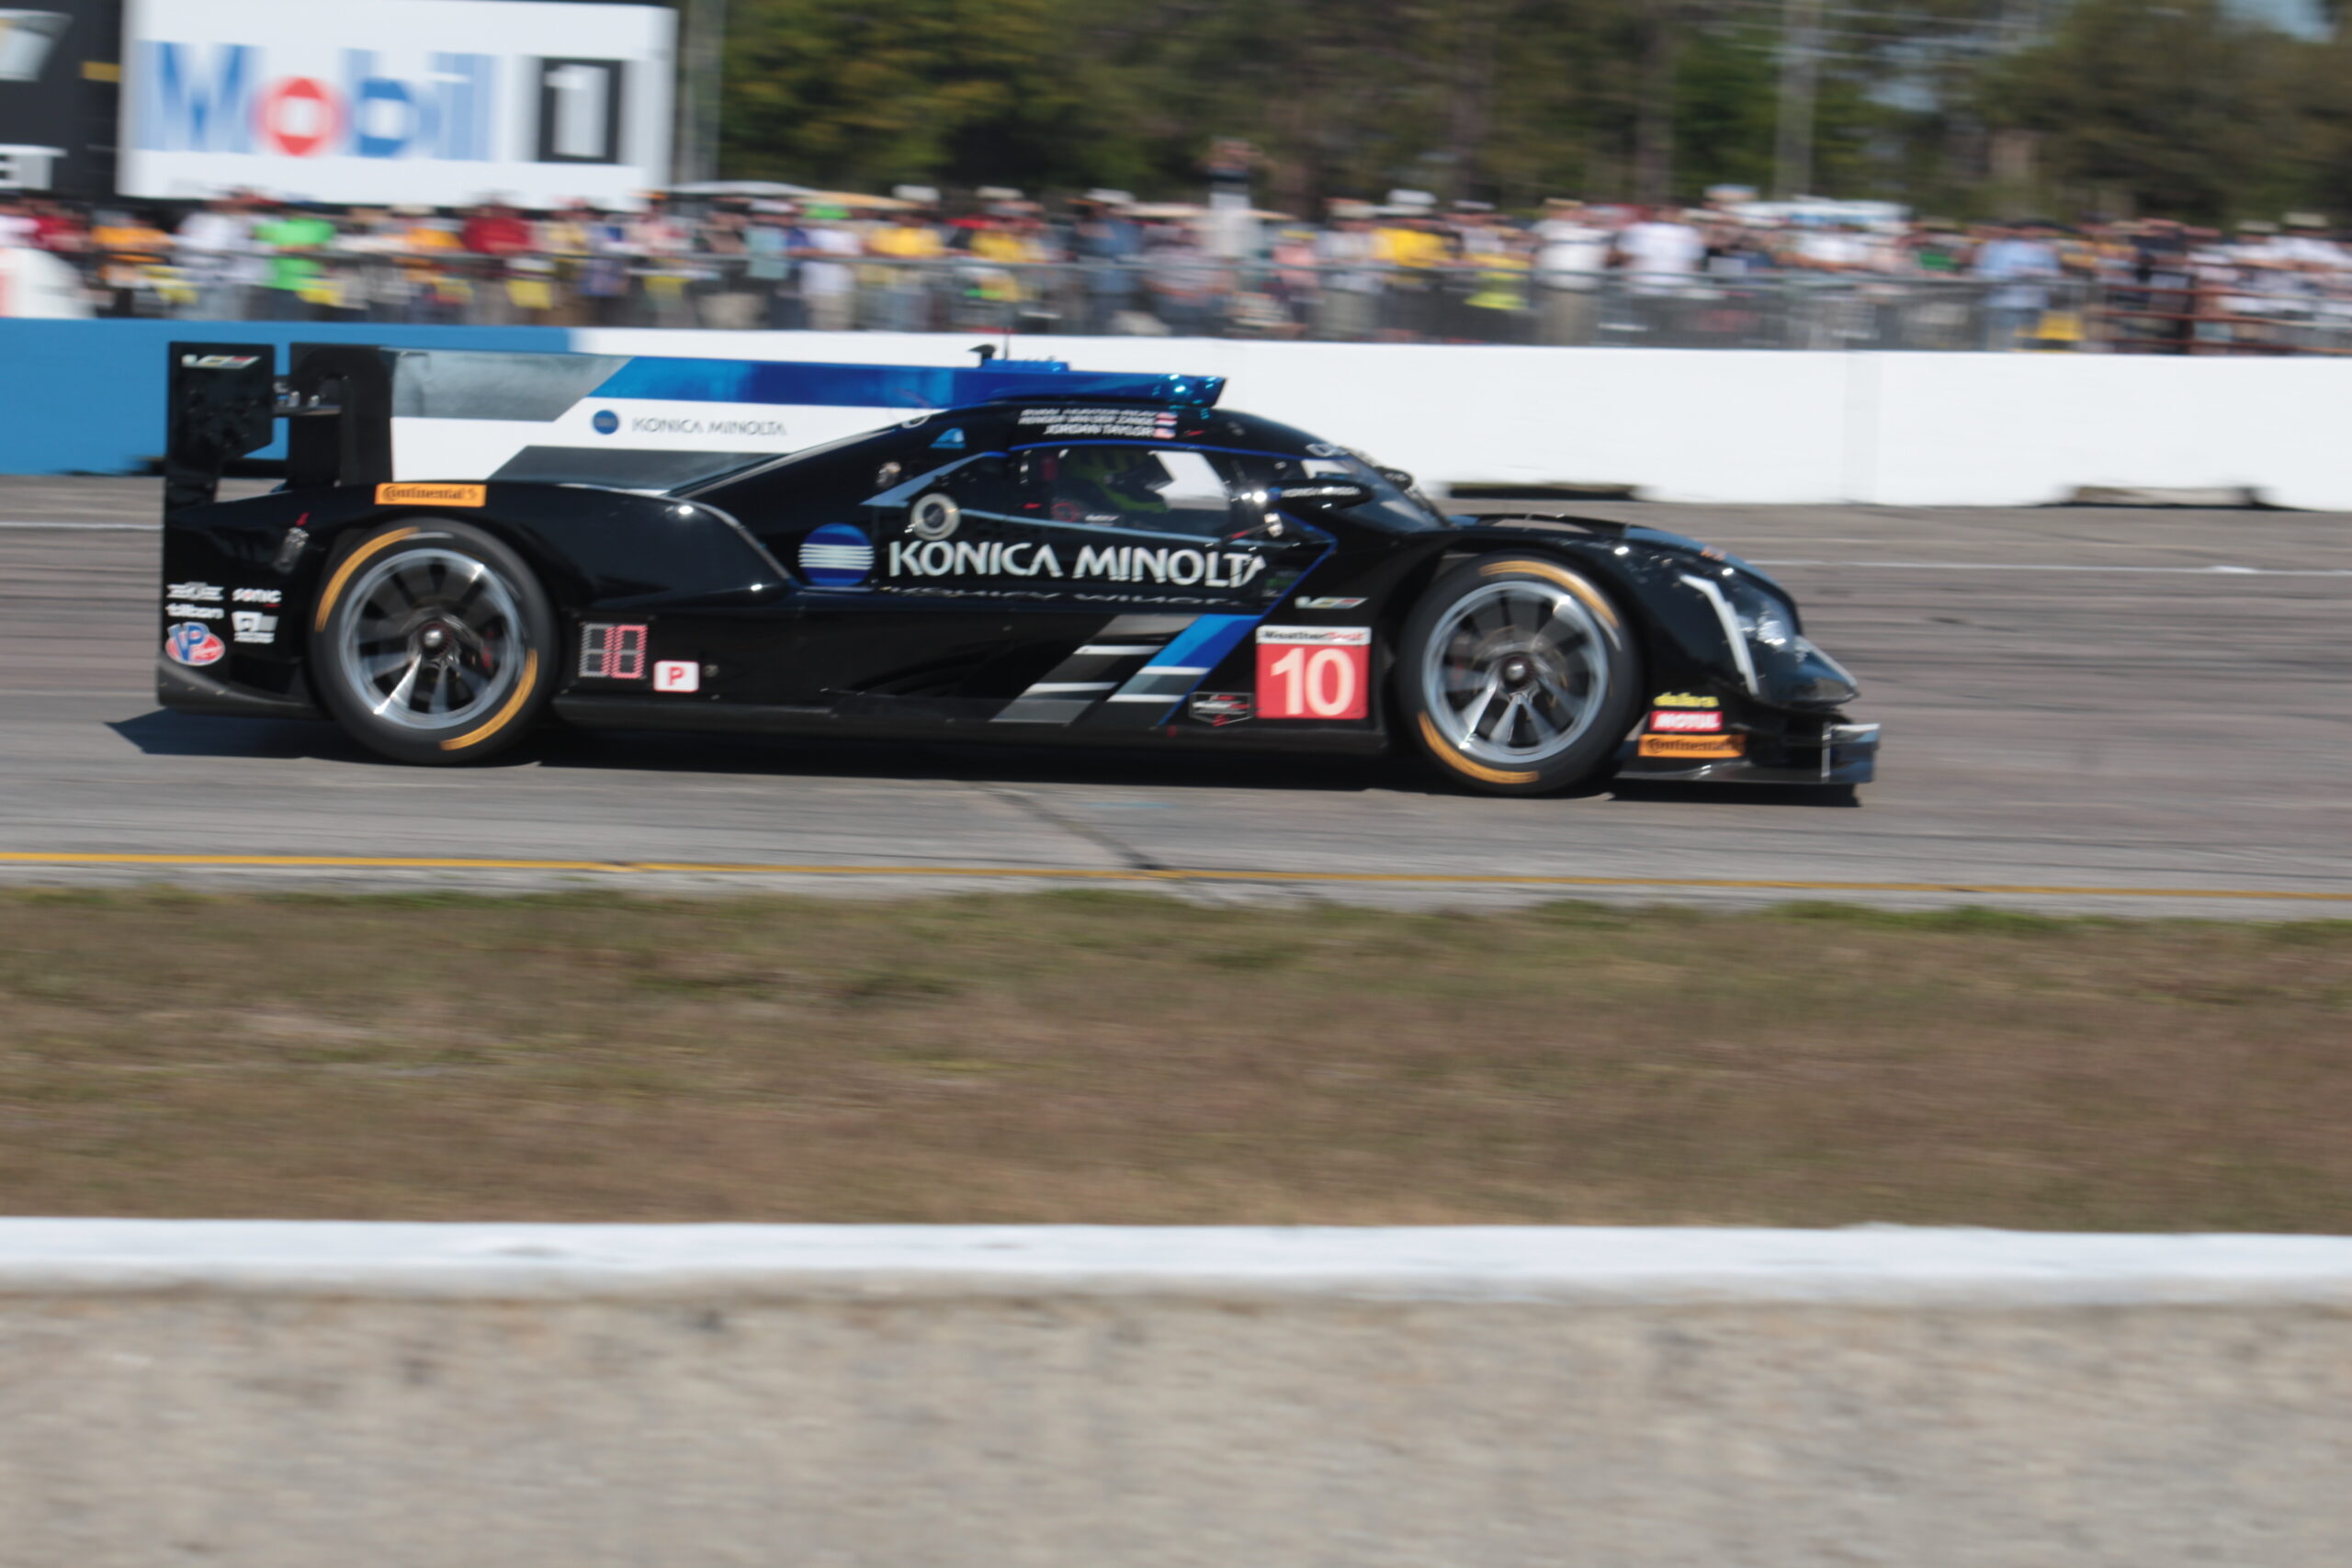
(1725, 426)
(272, 1394)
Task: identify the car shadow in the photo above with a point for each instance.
(1836, 796)
(164, 733)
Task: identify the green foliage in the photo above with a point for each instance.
(2176, 107)
(867, 95)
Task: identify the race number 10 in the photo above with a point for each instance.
(1314, 672)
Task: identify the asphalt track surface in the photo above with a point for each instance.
(2136, 712)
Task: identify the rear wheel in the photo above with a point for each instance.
(1517, 676)
(432, 642)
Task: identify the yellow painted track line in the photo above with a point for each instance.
(1123, 874)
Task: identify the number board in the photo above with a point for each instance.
(1314, 672)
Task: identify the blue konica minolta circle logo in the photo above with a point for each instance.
(836, 555)
(607, 421)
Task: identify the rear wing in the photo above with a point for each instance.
(366, 414)
(223, 401)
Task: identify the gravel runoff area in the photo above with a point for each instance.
(1120, 1058)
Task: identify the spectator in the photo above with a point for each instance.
(771, 243)
(293, 239)
(908, 239)
(1109, 244)
(828, 285)
(2021, 262)
(1569, 271)
(1475, 275)
(1660, 253)
(729, 301)
(57, 228)
(18, 227)
(1410, 249)
(211, 247)
(1182, 280)
(1352, 279)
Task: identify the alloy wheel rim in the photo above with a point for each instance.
(433, 640)
(1516, 673)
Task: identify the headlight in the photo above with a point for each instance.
(1776, 661)
(1762, 619)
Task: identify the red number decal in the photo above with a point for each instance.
(1314, 672)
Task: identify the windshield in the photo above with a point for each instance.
(1389, 507)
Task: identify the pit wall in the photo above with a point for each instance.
(277, 1395)
(1705, 427)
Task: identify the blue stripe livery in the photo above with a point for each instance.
(909, 387)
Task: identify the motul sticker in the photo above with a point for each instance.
(1679, 721)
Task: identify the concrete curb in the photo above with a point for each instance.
(1890, 1265)
(280, 1396)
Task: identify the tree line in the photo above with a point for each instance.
(1967, 108)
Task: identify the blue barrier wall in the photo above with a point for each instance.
(87, 397)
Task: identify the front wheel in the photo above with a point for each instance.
(432, 643)
(1517, 676)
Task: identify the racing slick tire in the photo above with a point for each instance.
(1517, 675)
(432, 642)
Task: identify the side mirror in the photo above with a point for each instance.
(1323, 495)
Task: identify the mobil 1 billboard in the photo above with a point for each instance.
(441, 102)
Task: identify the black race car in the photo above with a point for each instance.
(1083, 559)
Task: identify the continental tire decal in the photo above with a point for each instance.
(351, 563)
(504, 715)
(431, 495)
(1561, 575)
(1454, 759)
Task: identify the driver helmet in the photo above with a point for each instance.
(1132, 478)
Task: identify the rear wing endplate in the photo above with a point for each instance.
(224, 400)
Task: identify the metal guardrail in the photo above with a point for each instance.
(1191, 296)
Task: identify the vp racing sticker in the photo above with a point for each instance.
(193, 643)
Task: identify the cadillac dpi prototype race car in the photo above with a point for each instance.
(1011, 551)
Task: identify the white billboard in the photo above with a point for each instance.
(441, 102)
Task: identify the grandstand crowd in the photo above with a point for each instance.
(1734, 273)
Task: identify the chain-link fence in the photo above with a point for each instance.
(1188, 295)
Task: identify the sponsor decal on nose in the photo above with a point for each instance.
(1686, 721)
(836, 555)
(1695, 748)
(193, 643)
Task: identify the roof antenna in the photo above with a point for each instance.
(986, 351)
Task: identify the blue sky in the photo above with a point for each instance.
(2295, 16)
